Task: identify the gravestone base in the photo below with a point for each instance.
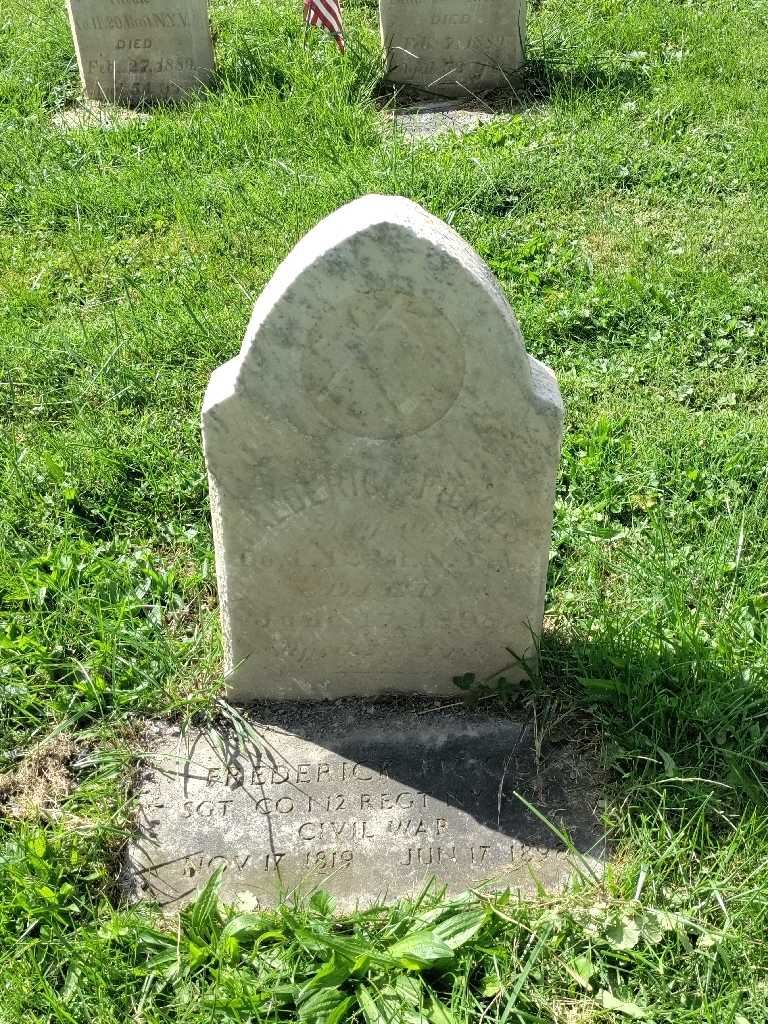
(368, 800)
(423, 120)
(93, 114)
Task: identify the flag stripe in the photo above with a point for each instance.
(331, 13)
(319, 15)
(325, 14)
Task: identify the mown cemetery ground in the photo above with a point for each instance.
(622, 206)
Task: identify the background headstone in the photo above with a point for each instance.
(382, 457)
(131, 51)
(453, 47)
(367, 801)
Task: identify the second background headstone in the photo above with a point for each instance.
(453, 48)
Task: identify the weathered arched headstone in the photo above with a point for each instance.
(453, 47)
(382, 457)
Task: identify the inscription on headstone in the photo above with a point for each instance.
(382, 457)
(131, 51)
(453, 47)
(371, 807)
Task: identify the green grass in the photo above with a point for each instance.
(623, 209)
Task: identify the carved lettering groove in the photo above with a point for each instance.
(320, 825)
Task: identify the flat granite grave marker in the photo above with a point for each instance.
(382, 457)
(453, 47)
(366, 801)
(132, 51)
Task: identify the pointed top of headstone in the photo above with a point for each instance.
(374, 263)
(382, 455)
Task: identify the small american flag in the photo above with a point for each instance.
(325, 14)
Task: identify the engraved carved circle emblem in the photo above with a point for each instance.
(392, 365)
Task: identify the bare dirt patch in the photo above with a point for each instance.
(41, 782)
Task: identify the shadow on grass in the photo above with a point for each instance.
(536, 83)
(679, 716)
(544, 78)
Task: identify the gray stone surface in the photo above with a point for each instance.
(382, 457)
(423, 120)
(131, 51)
(453, 47)
(93, 114)
(375, 802)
